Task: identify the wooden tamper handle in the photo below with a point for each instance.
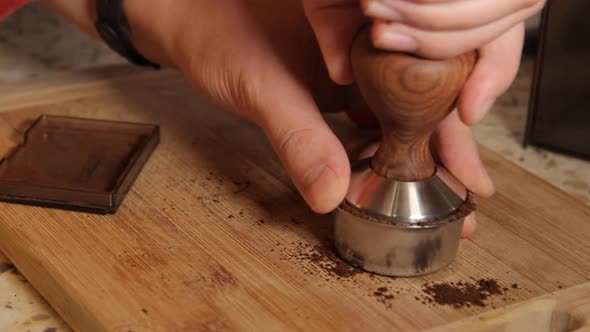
(409, 96)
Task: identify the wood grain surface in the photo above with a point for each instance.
(566, 310)
(409, 96)
(4, 260)
(213, 235)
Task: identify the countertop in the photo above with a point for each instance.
(35, 44)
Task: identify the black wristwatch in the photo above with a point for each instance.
(111, 24)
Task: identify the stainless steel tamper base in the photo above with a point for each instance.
(400, 228)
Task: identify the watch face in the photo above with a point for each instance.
(112, 39)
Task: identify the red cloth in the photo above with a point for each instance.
(8, 6)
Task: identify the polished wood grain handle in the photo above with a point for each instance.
(409, 96)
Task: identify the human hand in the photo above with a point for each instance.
(259, 59)
(436, 29)
(256, 58)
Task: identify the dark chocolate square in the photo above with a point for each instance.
(76, 164)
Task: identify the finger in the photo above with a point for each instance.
(469, 225)
(356, 148)
(335, 22)
(309, 150)
(369, 150)
(439, 44)
(493, 74)
(457, 151)
(447, 15)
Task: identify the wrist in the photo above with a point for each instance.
(152, 23)
(154, 29)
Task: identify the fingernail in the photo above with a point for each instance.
(486, 106)
(312, 175)
(369, 150)
(488, 184)
(395, 41)
(470, 225)
(320, 184)
(379, 10)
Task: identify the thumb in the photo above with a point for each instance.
(313, 156)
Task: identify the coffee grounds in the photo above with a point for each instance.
(462, 294)
(383, 295)
(323, 256)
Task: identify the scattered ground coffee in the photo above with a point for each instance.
(324, 258)
(462, 294)
(383, 295)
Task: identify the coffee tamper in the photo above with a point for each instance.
(403, 214)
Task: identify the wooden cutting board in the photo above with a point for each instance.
(213, 236)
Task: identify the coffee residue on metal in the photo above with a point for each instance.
(462, 294)
(425, 253)
(469, 205)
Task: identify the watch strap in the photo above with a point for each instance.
(112, 26)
